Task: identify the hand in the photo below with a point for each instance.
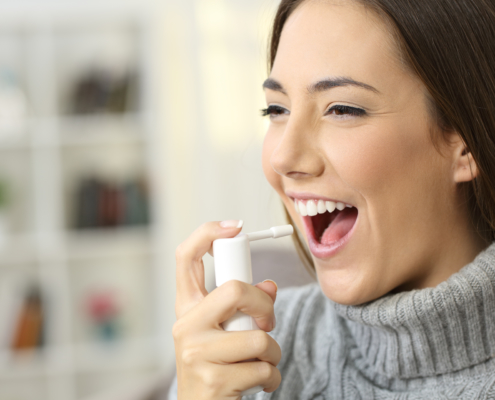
(207, 357)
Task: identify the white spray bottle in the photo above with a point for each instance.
(232, 258)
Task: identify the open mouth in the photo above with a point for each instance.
(328, 224)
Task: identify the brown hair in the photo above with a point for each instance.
(450, 45)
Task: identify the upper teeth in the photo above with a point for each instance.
(313, 207)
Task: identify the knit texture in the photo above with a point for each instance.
(434, 343)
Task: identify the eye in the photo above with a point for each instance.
(274, 111)
(340, 110)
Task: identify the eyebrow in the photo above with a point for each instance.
(272, 84)
(321, 85)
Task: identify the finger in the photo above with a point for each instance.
(224, 301)
(227, 224)
(269, 287)
(247, 375)
(189, 264)
(232, 347)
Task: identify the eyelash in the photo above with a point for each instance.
(356, 112)
(277, 110)
(272, 110)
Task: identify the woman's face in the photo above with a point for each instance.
(349, 124)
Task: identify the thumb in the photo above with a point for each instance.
(269, 287)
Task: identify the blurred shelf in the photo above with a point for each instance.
(34, 363)
(17, 249)
(72, 14)
(78, 245)
(86, 358)
(108, 242)
(14, 140)
(77, 130)
(101, 129)
(47, 154)
(130, 354)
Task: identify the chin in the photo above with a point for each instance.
(347, 286)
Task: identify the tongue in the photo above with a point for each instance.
(340, 226)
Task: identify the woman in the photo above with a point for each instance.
(382, 148)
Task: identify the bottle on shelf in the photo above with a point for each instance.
(29, 330)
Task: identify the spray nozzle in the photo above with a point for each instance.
(275, 232)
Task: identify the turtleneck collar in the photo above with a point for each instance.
(429, 331)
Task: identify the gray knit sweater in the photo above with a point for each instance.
(435, 343)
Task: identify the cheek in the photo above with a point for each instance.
(269, 145)
(378, 160)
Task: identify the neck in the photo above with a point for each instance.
(453, 257)
(457, 244)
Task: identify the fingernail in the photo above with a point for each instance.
(232, 223)
(269, 280)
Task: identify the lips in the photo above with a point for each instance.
(327, 230)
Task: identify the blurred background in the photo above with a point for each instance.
(124, 125)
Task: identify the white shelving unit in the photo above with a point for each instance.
(49, 48)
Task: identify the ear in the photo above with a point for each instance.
(464, 167)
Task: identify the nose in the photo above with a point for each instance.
(296, 154)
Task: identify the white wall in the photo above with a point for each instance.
(212, 65)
